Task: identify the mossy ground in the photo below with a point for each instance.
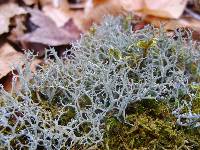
(150, 126)
(153, 128)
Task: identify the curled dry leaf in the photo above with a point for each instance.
(172, 24)
(161, 8)
(6, 81)
(39, 19)
(165, 8)
(48, 33)
(96, 9)
(19, 28)
(61, 15)
(8, 11)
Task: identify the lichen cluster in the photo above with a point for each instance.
(76, 100)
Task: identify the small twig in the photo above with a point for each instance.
(192, 14)
(38, 96)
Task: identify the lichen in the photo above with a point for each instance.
(77, 100)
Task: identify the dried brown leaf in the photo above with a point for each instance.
(30, 2)
(161, 8)
(38, 18)
(50, 34)
(8, 11)
(19, 28)
(55, 3)
(171, 24)
(61, 15)
(165, 8)
(132, 5)
(6, 81)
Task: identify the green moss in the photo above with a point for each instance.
(21, 140)
(83, 128)
(196, 106)
(66, 117)
(153, 127)
(84, 101)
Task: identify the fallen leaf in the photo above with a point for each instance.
(160, 8)
(50, 34)
(71, 27)
(30, 2)
(19, 28)
(39, 19)
(55, 3)
(6, 81)
(132, 5)
(172, 24)
(8, 11)
(47, 2)
(165, 8)
(8, 57)
(77, 18)
(59, 16)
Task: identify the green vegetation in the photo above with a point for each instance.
(117, 89)
(152, 127)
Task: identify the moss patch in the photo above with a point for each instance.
(153, 127)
